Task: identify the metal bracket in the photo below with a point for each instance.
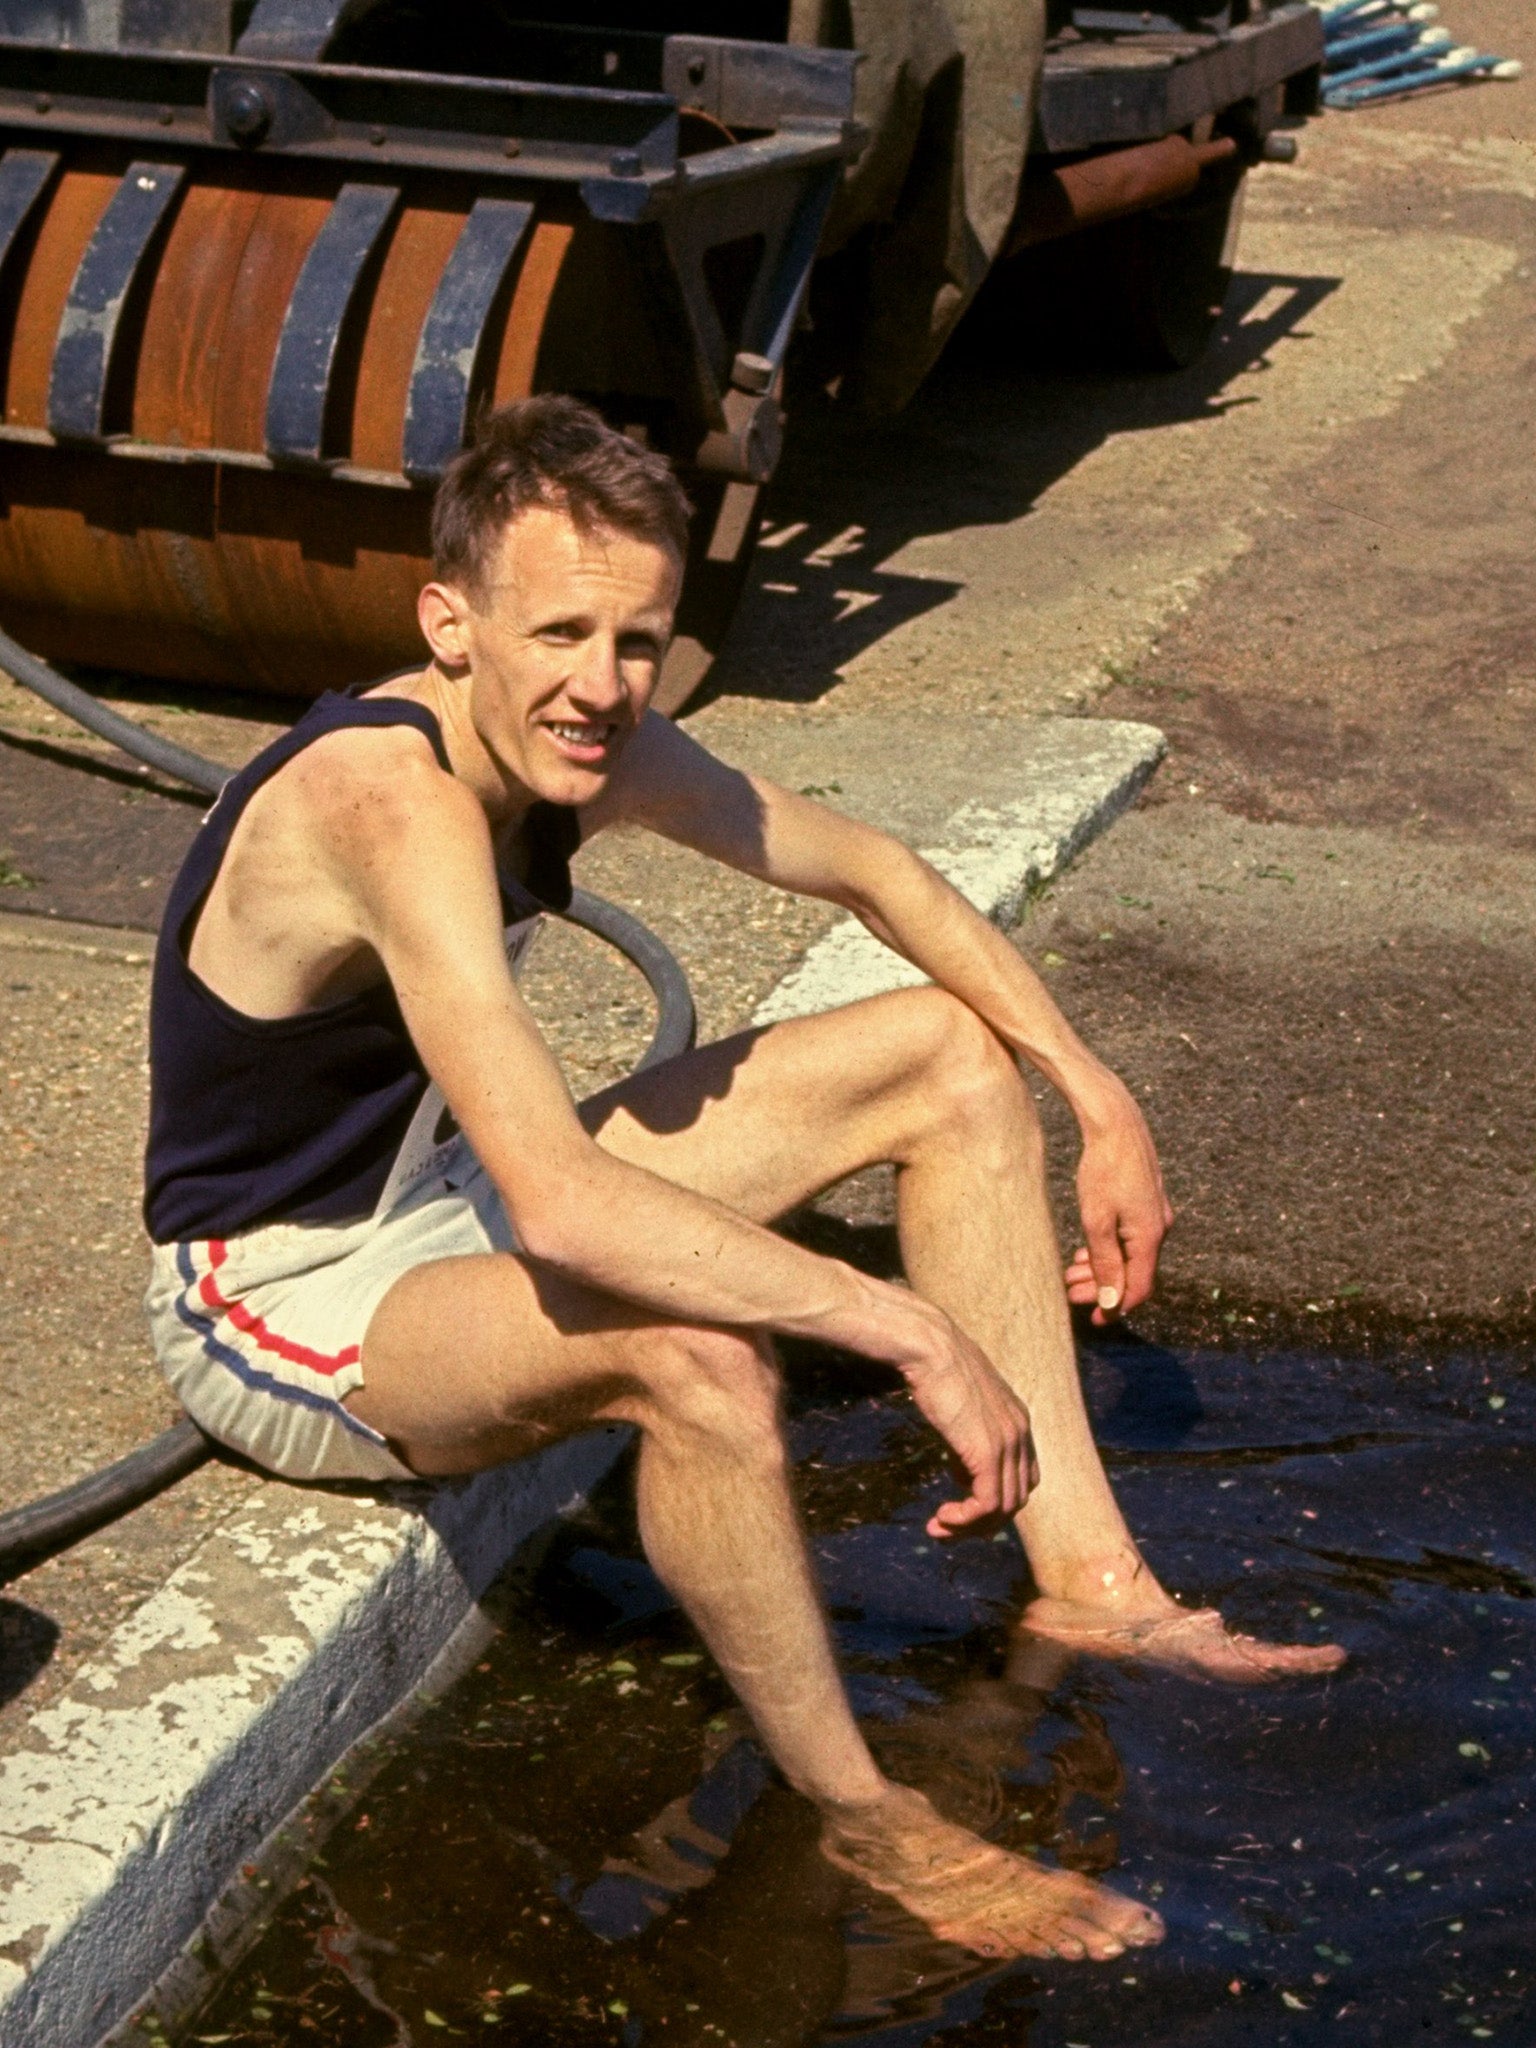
(247, 108)
(746, 444)
(448, 356)
(1094, 95)
(299, 395)
(747, 447)
(759, 85)
(91, 326)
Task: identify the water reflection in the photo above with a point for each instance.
(583, 1845)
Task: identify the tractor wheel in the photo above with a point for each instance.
(1143, 293)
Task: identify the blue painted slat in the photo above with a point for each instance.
(90, 327)
(299, 394)
(24, 176)
(453, 334)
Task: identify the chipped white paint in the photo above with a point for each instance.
(1078, 776)
(133, 1800)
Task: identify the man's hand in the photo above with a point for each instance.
(982, 1420)
(1126, 1213)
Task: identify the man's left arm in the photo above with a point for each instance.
(674, 786)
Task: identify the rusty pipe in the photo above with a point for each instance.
(1098, 188)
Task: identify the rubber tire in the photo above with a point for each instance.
(1144, 293)
(1176, 271)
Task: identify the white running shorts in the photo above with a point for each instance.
(261, 1335)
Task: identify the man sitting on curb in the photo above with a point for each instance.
(345, 1286)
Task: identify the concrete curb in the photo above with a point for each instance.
(293, 1630)
(1080, 775)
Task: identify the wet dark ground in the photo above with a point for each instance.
(581, 1845)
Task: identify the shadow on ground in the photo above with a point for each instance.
(27, 1641)
(986, 439)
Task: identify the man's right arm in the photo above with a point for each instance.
(418, 861)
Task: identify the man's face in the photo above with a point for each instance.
(565, 645)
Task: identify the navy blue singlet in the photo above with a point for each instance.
(292, 1119)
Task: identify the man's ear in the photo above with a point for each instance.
(443, 614)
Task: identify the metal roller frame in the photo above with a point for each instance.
(613, 149)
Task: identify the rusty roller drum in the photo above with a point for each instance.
(266, 576)
(255, 282)
(252, 300)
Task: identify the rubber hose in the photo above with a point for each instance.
(675, 1020)
(82, 707)
(62, 1518)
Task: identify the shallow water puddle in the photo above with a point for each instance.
(582, 1845)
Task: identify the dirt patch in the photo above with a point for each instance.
(1330, 1031)
(1341, 1073)
(1371, 659)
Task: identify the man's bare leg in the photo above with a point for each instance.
(471, 1361)
(764, 1123)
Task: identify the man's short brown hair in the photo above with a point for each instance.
(558, 453)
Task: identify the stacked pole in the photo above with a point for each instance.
(1383, 49)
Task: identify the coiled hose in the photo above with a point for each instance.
(59, 1519)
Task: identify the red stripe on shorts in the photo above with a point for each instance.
(254, 1327)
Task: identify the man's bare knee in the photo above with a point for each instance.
(970, 1077)
(715, 1386)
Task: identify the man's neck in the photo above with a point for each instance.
(505, 800)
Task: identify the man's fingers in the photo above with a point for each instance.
(1108, 1263)
(1140, 1270)
(1010, 1492)
(1001, 1482)
(1081, 1286)
(953, 1516)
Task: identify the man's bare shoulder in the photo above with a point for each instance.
(664, 775)
(365, 789)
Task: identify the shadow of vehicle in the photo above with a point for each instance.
(979, 448)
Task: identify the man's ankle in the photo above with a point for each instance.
(893, 1809)
(1117, 1580)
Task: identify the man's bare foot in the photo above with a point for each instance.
(971, 1892)
(1194, 1640)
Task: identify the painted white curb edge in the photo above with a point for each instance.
(296, 1627)
(1081, 773)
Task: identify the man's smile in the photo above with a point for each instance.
(583, 739)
